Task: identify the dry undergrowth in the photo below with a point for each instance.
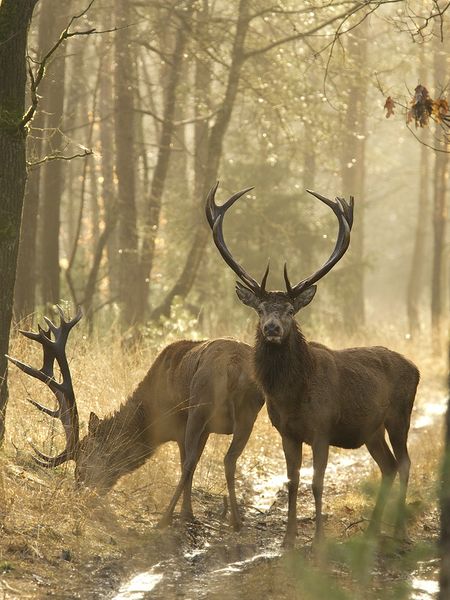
(53, 535)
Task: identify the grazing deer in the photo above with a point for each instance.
(193, 388)
(318, 396)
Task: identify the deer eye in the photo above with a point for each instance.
(290, 312)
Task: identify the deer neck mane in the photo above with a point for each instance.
(125, 437)
(283, 367)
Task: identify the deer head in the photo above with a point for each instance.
(99, 460)
(276, 309)
(90, 454)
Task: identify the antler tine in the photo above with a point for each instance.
(38, 336)
(286, 279)
(49, 461)
(71, 322)
(67, 409)
(213, 210)
(215, 215)
(338, 205)
(264, 278)
(211, 206)
(48, 411)
(40, 374)
(344, 213)
(51, 328)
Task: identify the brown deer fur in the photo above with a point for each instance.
(344, 398)
(322, 397)
(193, 388)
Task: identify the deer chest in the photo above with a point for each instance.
(290, 419)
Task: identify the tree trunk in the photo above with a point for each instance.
(214, 153)
(438, 296)
(26, 278)
(439, 230)
(53, 183)
(125, 169)
(88, 174)
(153, 209)
(444, 542)
(353, 176)
(415, 283)
(15, 18)
(108, 190)
(309, 160)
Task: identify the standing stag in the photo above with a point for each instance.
(318, 396)
(192, 389)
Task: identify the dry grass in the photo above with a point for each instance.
(54, 535)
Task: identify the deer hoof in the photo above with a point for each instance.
(164, 522)
(237, 525)
(187, 515)
(402, 537)
(289, 541)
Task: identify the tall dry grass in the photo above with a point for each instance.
(45, 521)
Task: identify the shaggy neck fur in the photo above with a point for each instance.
(125, 437)
(283, 368)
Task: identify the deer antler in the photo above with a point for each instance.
(215, 215)
(341, 208)
(54, 349)
(344, 214)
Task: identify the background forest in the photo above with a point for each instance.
(134, 109)
(177, 97)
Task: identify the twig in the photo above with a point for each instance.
(51, 157)
(424, 143)
(354, 523)
(150, 113)
(36, 78)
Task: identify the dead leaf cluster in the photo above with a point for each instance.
(422, 108)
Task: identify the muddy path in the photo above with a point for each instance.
(206, 559)
(133, 560)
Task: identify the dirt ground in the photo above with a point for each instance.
(57, 542)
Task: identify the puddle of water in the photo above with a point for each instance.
(424, 581)
(196, 552)
(238, 566)
(139, 585)
(265, 491)
(431, 410)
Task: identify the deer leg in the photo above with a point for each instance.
(194, 441)
(238, 443)
(398, 440)
(293, 454)
(320, 460)
(384, 458)
(187, 501)
(186, 507)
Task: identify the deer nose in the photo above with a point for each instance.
(272, 329)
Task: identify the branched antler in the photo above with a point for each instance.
(344, 214)
(215, 215)
(341, 208)
(53, 342)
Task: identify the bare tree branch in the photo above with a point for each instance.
(36, 77)
(56, 156)
(303, 34)
(150, 113)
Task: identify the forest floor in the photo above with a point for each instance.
(57, 542)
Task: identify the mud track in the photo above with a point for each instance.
(206, 559)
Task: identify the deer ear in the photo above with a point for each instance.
(94, 422)
(246, 296)
(305, 298)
